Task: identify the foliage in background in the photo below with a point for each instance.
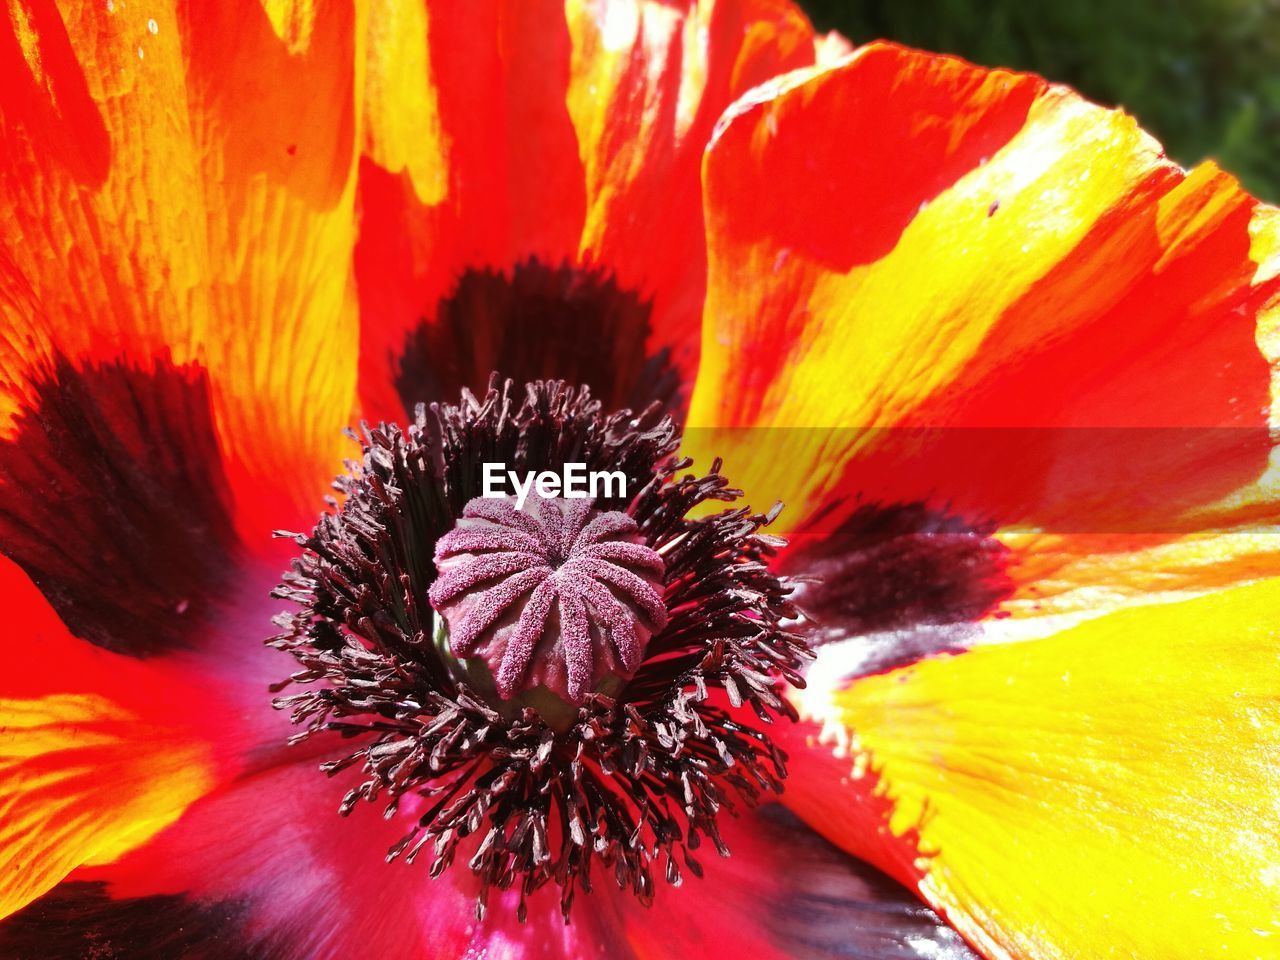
(1202, 75)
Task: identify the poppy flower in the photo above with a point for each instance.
(997, 681)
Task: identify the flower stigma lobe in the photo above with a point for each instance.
(571, 584)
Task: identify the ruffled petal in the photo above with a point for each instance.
(566, 139)
(98, 752)
(178, 184)
(932, 283)
(1107, 792)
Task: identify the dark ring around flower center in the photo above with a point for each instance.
(649, 622)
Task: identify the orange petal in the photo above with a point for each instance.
(97, 751)
(401, 104)
(570, 136)
(1060, 577)
(926, 278)
(503, 181)
(178, 177)
(1107, 792)
(1071, 573)
(649, 82)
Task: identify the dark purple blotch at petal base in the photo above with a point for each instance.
(902, 581)
(832, 905)
(79, 920)
(539, 322)
(113, 500)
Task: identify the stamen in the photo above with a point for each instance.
(635, 770)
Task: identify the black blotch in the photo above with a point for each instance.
(835, 906)
(77, 920)
(537, 322)
(903, 567)
(113, 500)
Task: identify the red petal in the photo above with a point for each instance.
(574, 137)
(162, 200)
(965, 288)
(98, 752)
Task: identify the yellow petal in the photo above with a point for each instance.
(179, 183)
(932, 245)
(1109, 792)
(400, 105)
(98, 752)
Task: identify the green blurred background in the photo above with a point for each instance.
(1201, 75)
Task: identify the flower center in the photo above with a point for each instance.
(546, 688)
(562, 596)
